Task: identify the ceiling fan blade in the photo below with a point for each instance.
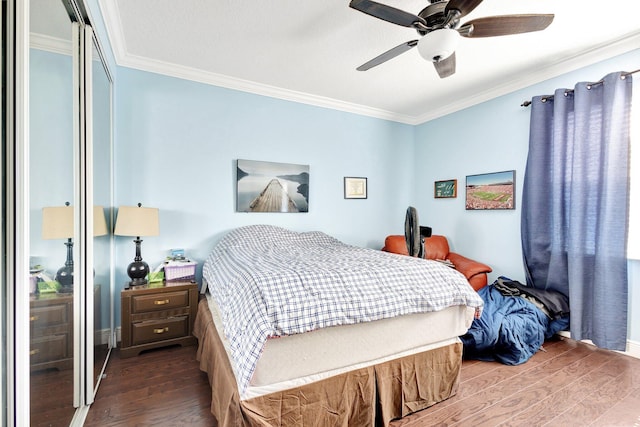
(464, 6)
(390, 54)
(387, 13)
(492, 26)
(446, 67)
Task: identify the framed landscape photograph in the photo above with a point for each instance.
(355, 187)
(271, 187)
(445, 189)
(494, 190)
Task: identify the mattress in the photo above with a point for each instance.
(272, 282)
(294, 360)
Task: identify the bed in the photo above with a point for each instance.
(302, 329)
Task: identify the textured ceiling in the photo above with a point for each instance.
(308, 51)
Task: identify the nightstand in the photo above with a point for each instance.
(156, 315)
(51, 338)
(51, 323)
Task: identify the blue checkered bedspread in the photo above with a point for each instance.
(270, 282)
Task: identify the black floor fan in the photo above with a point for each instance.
(414, 234)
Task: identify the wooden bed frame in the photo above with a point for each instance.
(373, 395)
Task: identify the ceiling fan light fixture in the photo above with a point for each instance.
(439, 44)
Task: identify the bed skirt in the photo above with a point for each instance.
(368, 396)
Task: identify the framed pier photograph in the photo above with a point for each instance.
(271, 187)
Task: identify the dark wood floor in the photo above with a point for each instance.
(52, 393)
(568, 384)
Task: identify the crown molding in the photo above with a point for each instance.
(192, 74)
(565, 65)
(49, 44)
(109, 10)
(111, 16)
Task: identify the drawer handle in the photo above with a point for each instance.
(35, 351)
(161, 302)
(34, 318)
(161, 330)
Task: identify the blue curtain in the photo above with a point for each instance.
(575, 204)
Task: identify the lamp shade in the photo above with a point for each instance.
(439, 44)
(99, 222)
(137, 221)
(57, 222)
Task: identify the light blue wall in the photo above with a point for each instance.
(491, 137)
(50, 150)
(476, 140)
(176, 146)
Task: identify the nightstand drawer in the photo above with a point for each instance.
(163, 301)
(51, 315)
(159, 330)
(46, 349)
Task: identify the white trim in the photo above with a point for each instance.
(78, 105)
(193, 74)
(80, 416)
(18, 247)
(103, 336)
(111, 15)
(86, 234)
(633, 347)
(579, 60)
(50, 44)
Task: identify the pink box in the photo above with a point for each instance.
(180, 271)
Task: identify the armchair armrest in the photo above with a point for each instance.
(467, 266)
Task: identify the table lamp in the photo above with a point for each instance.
(57, 223)
(137, 221)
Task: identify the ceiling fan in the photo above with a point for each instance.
(440, 28)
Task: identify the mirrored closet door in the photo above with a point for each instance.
(69, 174)
(53, 209)
(101, 161)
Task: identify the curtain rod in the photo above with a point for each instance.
(544, 98)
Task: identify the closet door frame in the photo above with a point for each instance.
(16, 209)
(15, 235)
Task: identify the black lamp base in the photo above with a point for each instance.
(138, 269)
(64, 276)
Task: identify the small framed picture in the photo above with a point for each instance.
(445, 189)
(355, 187)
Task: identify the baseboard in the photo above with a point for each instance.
(101, 336)
(633, 348)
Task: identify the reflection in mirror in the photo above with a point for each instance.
(102, 198)
(51, 175)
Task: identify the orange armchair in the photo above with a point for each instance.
(437, 247)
